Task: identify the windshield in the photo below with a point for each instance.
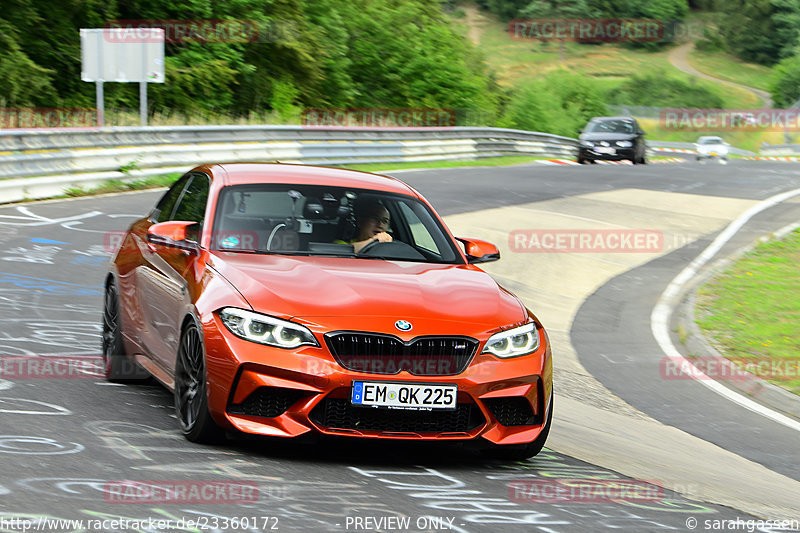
(711, 140)
(315, 220)
(611, 126)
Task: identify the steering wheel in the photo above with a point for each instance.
(392, 250)
(372, 244)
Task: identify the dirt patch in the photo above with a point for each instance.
(474, 21)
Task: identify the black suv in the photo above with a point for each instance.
(612, 139)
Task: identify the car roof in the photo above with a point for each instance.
(253, 173)
(709, 137)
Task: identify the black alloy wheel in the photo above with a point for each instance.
(191, 401)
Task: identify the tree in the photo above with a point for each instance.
(785, 82)
(763, 31)
(24, 82)
(559, 103)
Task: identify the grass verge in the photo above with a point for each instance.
(110, 186)
(727, 67)
(608, 65)
(750, 312)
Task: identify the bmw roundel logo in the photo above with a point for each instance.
(403, 325)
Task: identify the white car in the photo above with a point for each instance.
(711, 148)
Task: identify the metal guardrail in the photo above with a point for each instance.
(41, 163)
(691, 146)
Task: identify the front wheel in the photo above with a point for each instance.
(191, 401)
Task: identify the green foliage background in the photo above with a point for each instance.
(659, 89)
(365, 53)
(560, 102)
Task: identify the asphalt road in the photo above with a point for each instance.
(66, 445)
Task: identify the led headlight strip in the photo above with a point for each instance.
(265, 329)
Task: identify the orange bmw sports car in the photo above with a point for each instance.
(285, 300)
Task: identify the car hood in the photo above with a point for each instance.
(604, 136)
(331, 291)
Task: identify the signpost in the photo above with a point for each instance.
(122, 55)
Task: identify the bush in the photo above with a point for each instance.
(785, 82)
(660, 90)
(712, 41)
(559, 103)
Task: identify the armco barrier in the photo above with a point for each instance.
(41, 163)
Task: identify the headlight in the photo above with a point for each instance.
(587, 144)
(624, 144)
(265, 329)
(513, 342)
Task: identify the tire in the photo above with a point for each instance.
(521, 452)
(118, 367)
(191, 400)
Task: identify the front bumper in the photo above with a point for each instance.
(712, 155)
(620, 154)
(287, 393)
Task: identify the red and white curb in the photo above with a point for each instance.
(676, 150)
(557, 162)
(774, 158)
(626, 162)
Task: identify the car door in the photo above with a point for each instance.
(166, 275)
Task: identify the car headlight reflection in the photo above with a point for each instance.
(513, 342)
(624, 144)
(265, 329)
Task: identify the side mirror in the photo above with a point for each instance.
(172, 235)
(479, 251)
(580, 130)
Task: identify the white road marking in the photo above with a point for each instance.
(30, 218)
(659, 318)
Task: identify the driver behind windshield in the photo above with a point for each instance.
(372, 221)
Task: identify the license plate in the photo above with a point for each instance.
(411, 396)
(605, 150)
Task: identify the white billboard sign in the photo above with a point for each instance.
(122, 55)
